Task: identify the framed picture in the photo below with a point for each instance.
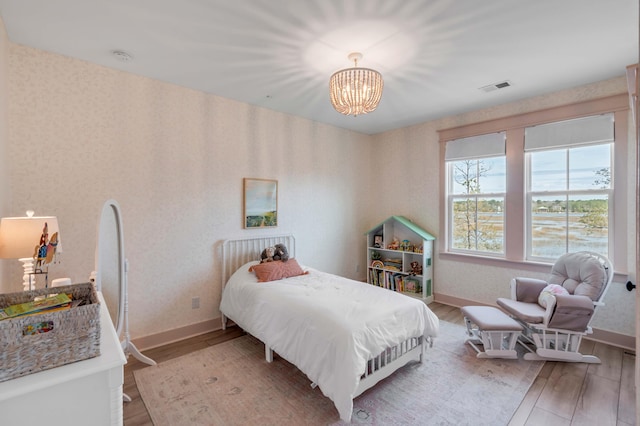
(377, 241)
(260, 203)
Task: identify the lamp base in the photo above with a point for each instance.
(27, 279)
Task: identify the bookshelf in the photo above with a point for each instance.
(400, 257)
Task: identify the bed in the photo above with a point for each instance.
(344, 335)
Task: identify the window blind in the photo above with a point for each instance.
(569, 133)
(483, 146)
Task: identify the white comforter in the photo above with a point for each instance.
(328, 326)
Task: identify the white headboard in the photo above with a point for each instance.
(236, 253)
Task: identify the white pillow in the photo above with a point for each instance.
(550, 291)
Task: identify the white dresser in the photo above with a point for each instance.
(81, 393)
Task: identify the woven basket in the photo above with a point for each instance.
(74, 334)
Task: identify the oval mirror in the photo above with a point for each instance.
(110, 277)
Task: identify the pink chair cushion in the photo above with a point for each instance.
(488, 318)
(579, 273)
(528, 312)
(572, 312)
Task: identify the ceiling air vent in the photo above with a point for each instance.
(496, 86)
(121, 55)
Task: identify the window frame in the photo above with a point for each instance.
(515, 203)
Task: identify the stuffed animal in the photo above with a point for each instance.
(281, 253)
(416, 268)
(267, 254)
(278, 252)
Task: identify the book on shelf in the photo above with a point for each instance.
(393, 264)
(398, 280)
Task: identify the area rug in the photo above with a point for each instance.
(232, 384)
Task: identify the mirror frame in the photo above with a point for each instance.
(111, 207)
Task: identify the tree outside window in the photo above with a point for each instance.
(477, 204)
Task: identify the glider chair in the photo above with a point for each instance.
(556, 313)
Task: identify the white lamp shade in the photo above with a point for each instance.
(19, 236)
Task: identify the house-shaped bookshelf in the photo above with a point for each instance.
(400, 257)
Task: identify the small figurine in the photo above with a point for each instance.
(45, 251)
(395, 244)
(406, 245)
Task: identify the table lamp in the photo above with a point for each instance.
(32, 240)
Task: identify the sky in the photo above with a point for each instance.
(549, 169)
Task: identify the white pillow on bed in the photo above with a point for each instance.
(276, 270)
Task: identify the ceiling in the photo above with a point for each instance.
(434, 55)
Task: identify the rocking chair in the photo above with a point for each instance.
(556, 314)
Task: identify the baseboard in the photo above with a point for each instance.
(170, 336)
(614, 339)
(456, 301)
(604, 336)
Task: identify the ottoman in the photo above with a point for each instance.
(493, 329)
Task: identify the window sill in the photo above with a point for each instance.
(497, 262)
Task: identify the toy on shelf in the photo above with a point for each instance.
(416, 268)
(377, 264)
(406, 245)
(395, 244)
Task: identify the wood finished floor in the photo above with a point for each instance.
(562, 394)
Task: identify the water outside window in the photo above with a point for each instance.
(569, 199)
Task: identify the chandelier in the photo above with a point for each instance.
(355, 91)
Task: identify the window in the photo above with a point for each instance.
(542, 184)
(476, 188)
(569, 187)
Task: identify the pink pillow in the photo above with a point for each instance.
(276, 270)
(552, 290)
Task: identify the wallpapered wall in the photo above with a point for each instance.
(4, 174)
(174, 158)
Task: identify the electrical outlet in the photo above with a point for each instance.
(195, 303)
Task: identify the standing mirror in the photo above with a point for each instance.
(111, 275)
(110, 263)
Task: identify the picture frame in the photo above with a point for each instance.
(260, 203)
(377, 241)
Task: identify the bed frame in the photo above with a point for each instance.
(237, 252)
